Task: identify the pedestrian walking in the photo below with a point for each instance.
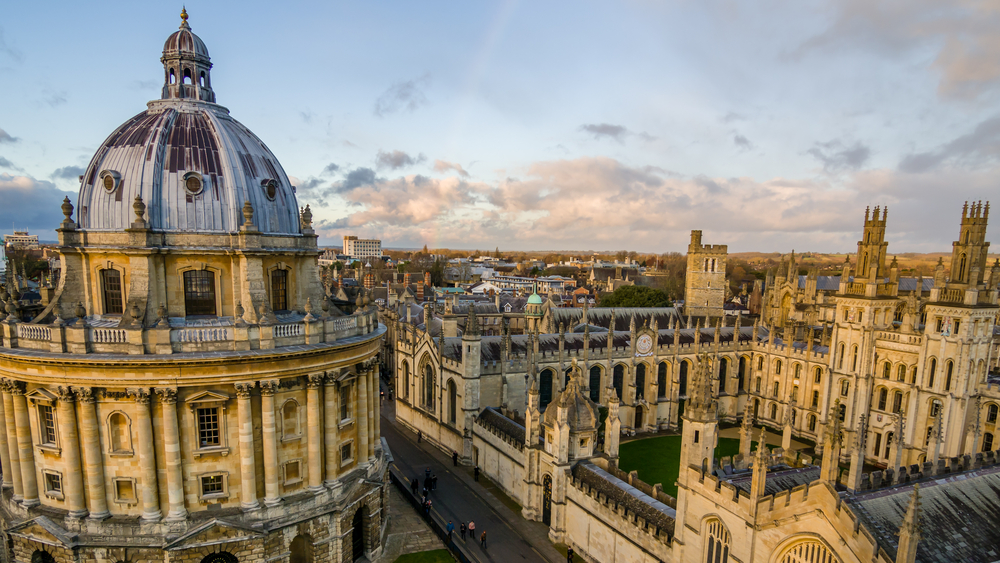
(475, 473)
(427, 483)
(454, 458)
(472, 530)
(434, 482)
(427, 507)
(569, 555)
(425, 492)
(450, 528)
(427, 473)
(420, 436)
(461, 530)
(482, 540)
(414, 484)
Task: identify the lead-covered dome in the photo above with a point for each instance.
(192, 164)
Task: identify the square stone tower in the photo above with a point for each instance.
(705, 282)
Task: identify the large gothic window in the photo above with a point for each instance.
(682, 383)
(545, 387)
(595, 383)
(640, 381)
(716, 543)
(661, 380)
(723, 374)
(452, 400)
(809, 551)
(428, 387)
(111, 287)
(619, 378)
(199, 293)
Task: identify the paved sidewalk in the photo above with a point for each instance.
(408, 533)
(459, 498)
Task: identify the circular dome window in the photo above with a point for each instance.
(270, 188)
(110, 180)
(193, 183)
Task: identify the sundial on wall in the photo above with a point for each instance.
(644, 345)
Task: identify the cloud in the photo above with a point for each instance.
(615, 132)
(836, 157)
(330, 169)
(442, 166)
(396, 159)
(960, 35)
(5, 137)
(742, 142)
(4, 163)
(402, 96)
(5, 49)
(68, 173)
(971, 150)
(53, 99)
(31, 204)
(732, 116)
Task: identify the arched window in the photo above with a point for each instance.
(845, 387)
(961, 269)
(595, 383)
(199, 293)
(545, 387)
(949, 368)
(913, 375)
(290, 419)
(991, 414)
(406, 380)
(640, 381)
(187, 76)
(812, 423)
(428, 387)
(843, 412)
(301, 549)
(661, 380)
(682, 382)
(619, 378)
(854, 358)
(120, 433)
(883, 397)
(935, 408)
(756, 408)
(716, 542)
(756, 385)
(987, 442)
(723, 374)
(774, 411)
(930, 373)
(930, 432)
(901, 373)
(760, 362)
(452, 402)
(741, 382)
(888, 443)
(111, 287)
(819, 376)
(279, 290)
(40, 556)
(815, 399)
(777, 386)
(798, 371)
(777, 367)
(886, 370)
(897, 402)
(840, 355)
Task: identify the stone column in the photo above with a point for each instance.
(11, 461)
(147, 456)
(361, 417)
(272, 496)
(332, 431)
(377, 414)
(314, 431)
(93, 456)
(248, 469)
(172, 454)
(372, 408)
(73, 481)
(25, 446)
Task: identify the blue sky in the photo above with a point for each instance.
(546, 125)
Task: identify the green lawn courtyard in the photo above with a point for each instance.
(436, 556)
(656, 459)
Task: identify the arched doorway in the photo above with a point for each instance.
(301, 549)
(221, 557)
(358, 535)
(40, 556)
(547, 500)
(545, 387)
(595, 383)
(639, 417)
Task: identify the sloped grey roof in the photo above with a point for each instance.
(832, 283)
(960, 516)
(601, 316)
(652, 510)
(777, 481)
(502, 424)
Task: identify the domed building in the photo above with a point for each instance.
(189, 393)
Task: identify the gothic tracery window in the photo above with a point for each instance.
(716, 542)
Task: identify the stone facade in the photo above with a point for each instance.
(153, 415)
(705, 282)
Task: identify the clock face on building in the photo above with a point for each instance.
(644, 344)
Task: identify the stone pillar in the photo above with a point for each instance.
(93, 456)
(8, 473)
(272, 496)
(248, 469)
(377, 414)
(172, 455)
(372, 410)
(12, 452)
(25, 446)
(147, 456)
(314, 431)
(73, 481)
(332, 430)
(361, 417)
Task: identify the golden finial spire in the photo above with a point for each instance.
(184, 17)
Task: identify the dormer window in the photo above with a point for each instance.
(110, 179)
(193, 183)
(270, 188)
(111, 288)
(199, 293)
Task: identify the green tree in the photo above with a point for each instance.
(636, 296)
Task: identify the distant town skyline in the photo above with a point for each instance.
(770, 126)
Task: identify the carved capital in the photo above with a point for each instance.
(13, 387)
(243, 389)
(268, 387)
(314, 380)
(65, 393)
(168, 395)
(139, 394)
(84, 394)
(332, 376)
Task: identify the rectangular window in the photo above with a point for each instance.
(345, 402)
(292, 473)
(199, 293)
(124, 490)
(111, 282)
(47, 422)
(208, 427)
(53, 483)
(345, 453)
(878, 444)
(279, 290)
(212, 485)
